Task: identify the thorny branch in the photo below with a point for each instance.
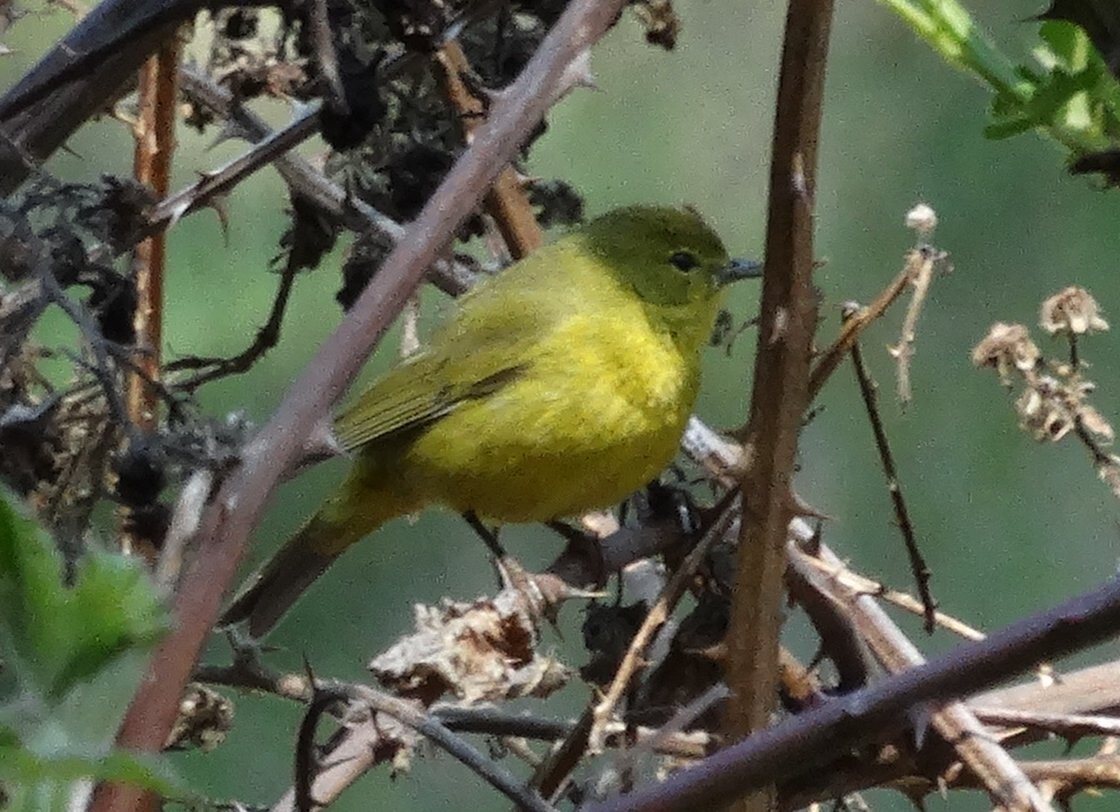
(659, 613)
(996, 770)
(781, 377)
(796, 745)
(155, 149)
(224, 532)
(370, 703)
(919, 568)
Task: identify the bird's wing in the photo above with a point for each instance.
(476, 355)
(399, 403)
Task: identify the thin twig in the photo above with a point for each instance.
(304, 767)
(860, 583)
(101, 368)
(269, 148)
(308, 789)
(923, 260)
(266, 338)
(507, 201)
(724, 514)
(918, 566)
(1067, 725)
(432, 729)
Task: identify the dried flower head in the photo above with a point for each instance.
(1072, 311)
(1043, 411)
(922, 219)
(1007, 346)
(479, 652)
(1051, 407)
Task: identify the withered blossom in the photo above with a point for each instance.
(1043, 412)
(1050, 408)
(1073, 311)
(1007, 346)
(478, 652)
(922, 219)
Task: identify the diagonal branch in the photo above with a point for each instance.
(797, 745)
(1008, 787)
(223, 537)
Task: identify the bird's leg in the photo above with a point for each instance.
(509, 571)
(489, 535)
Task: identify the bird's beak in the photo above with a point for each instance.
(740, 269)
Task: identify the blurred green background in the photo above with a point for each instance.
(1008, 526)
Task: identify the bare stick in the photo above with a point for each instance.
(155, 148)
(781, 378)
(853, 327)
(797, 745)
(869, 391)
(860, 583)
(224, 533)
(656, 617)
(923, 260)
(506, 202)
(997, 771)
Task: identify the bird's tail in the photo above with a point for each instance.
(344, 519)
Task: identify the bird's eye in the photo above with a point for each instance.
(684, 261)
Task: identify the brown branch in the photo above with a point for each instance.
(724, 514)
(853, 327)
(223, 537)
(781, 377)
(800, 744)
(855, 581)
(1008, 787)
(155, 149)
(506, 202)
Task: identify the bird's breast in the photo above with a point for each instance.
(598, 413)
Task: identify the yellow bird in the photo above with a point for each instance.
(558, 386)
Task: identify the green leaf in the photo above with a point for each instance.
(73, 656)
(35, 782)
(1069, 96)
(53, 636)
